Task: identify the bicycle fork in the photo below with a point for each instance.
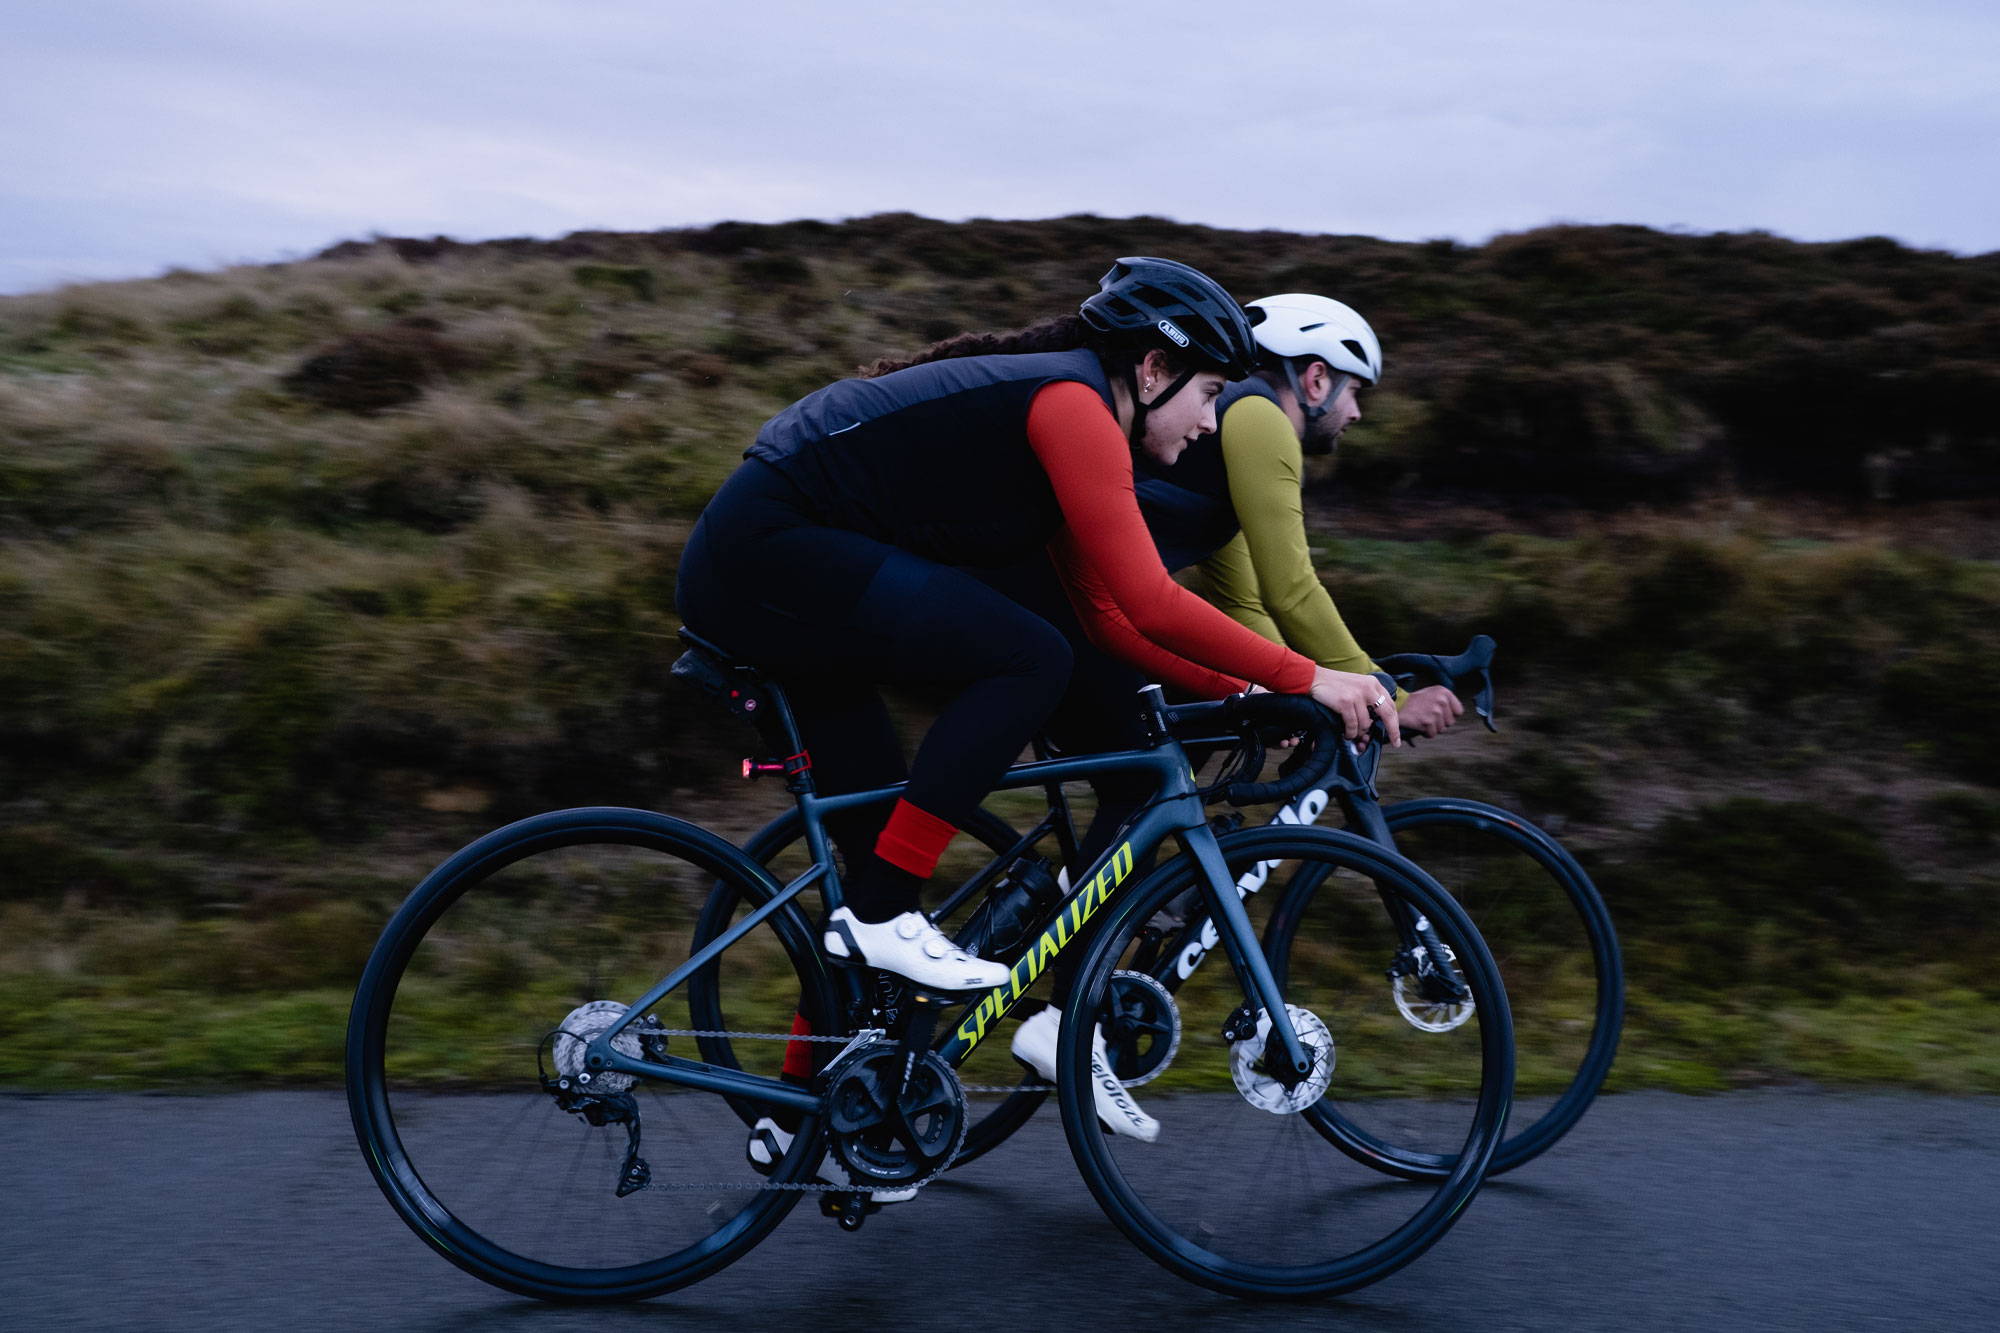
(1423, 955)
(1286, 1057)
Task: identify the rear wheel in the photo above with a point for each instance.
(465, 1043)
(1243, 1191)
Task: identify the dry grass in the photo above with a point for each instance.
(259, 650)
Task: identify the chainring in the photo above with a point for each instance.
(1141, 1026)
(899, 1142)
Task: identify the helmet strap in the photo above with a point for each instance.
(1137, 430)
(1174, 388)
(1140, 407)
(1340, 378)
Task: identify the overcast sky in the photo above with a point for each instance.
(140, 134)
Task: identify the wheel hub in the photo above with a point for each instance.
(1414, 986)
(642, 1039)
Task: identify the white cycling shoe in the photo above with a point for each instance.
(769, 1143)
(1035, 1047)
(912, 948)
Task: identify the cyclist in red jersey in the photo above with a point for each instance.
(837, 557)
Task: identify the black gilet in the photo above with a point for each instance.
(934, 458)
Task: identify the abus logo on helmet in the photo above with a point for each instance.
(1180, 339)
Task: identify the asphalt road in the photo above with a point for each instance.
(1769, 1210)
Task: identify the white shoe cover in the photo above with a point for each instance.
(1035, 1047)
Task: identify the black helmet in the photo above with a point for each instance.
(1182, 309)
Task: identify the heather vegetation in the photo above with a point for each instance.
(310, 572)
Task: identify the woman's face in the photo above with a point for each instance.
(1173, 425)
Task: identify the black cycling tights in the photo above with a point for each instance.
(831, 614)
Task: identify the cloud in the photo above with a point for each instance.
(138, 135)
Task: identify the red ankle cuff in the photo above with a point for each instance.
(913, 840)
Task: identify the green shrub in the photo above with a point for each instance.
(1764, 894)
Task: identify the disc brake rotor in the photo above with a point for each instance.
(1260, 1089)
(1422, 1012)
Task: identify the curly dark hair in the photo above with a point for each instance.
(1061, 334)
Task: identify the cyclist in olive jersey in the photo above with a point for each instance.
(1231, 504)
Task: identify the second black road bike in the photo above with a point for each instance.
(1535, 906)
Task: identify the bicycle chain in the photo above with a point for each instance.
(817, 1187)
(814, 1187)
(747, 1036)
(786, 1036)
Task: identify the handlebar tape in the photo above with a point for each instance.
(1288, 712)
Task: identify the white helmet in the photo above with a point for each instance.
(1300, 324)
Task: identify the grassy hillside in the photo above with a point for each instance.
(310, 572)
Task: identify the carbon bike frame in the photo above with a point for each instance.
(1176, 809)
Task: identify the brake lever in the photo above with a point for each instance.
(1482, 702)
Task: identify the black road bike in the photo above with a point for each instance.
(1535, 906)
(561, 1037)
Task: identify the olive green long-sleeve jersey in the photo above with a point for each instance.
(1264, 578)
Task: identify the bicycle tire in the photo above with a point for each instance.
(1014, 1109)
(449, 1041)
(1511, 878)
(1260, 1204)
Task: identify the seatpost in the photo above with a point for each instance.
(1153, 714)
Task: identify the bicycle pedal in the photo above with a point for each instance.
(849, 1210)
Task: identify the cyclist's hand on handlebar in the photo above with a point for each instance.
(1289, 741)
(1353, 699)
(1430, 711)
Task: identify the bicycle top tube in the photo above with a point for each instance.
(1167, 760)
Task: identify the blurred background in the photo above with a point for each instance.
(332, 534)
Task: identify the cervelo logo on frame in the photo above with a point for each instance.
(1180, 339)
(1307, 809)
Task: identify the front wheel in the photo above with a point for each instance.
(1243, 1190)
(465, 1041)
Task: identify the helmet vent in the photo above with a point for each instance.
(1360, 352)
(1308, 328)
